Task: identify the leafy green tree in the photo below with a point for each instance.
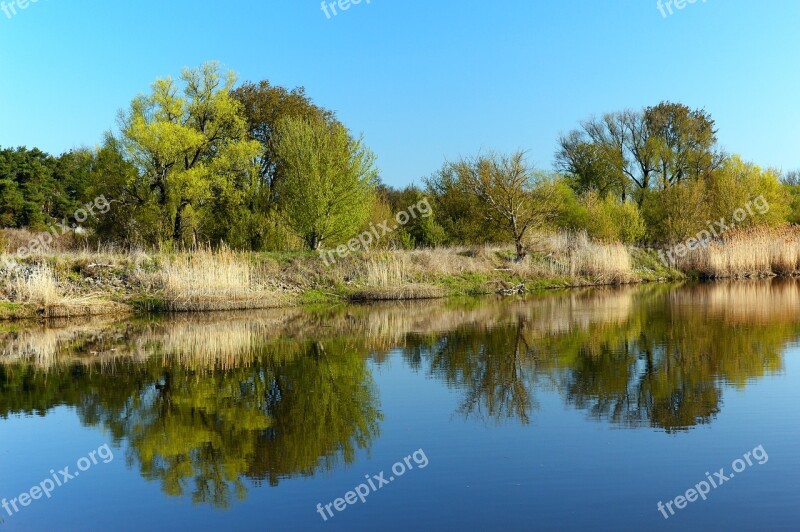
(676, 213)
(657, 147)
(611, 220)
(329, 180)
(72, 174)
(192, 151)
(592, 167)
(264, 106)
(422, 230)
(791, 184)
(28, 188)
(135, 218)
(37, 190)
(685, 141)
(738, 183)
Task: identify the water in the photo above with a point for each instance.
(566, 411)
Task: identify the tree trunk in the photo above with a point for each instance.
(177, 232)
(521, 254)
(313, 241)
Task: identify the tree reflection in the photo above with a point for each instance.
(494, 368)
(210, 404)
(204, 432)
(664, 362)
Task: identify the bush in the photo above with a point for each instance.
(605, 219)
(676, 213)
(738, 183)
(688, 207)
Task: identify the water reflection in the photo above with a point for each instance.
(201, 426)
(206, 403)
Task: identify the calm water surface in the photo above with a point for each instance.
(566, 411)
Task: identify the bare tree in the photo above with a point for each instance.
(513, 196)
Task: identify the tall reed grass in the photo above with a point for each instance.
(568, 254)
(753, 252)
(37, 286)
(208, 280)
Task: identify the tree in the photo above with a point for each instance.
(791, 184)
(685, 141)
(738, 184)
(592, 167)
(422, 230)
(37, 189)
(512, 195)
(329, 180)
(458, 212)
(189, 149)
(264, 107)
(653, 148)
(135, 218)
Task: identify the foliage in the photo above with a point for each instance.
(655, 148)
(199, 162)
(194, 159)
(264, 106)
(38, 190)
(611, 220)
(511, 195)
(329, 180)
(458, 212)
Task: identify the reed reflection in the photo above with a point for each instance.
(209, 404)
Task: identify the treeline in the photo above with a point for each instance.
(201, 161)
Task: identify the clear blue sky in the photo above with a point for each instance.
(424, 80)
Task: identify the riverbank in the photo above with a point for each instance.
(86, 283)
(70, 283)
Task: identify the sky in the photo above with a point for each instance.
(425, 81)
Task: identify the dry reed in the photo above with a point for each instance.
(207, 280)
(753, 252)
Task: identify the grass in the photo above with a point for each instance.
(206, 280)
(38, 286)
(108, 281)
(757, 252)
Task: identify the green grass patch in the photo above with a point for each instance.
(316, 297)
(648, 266)
(467, 284)
(148, 303)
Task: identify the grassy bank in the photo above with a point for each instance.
(87, 283)
(79, 283)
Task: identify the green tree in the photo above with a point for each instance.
(592, 167)
(192, 151)
(329, 180)
(656, 147)
(737, 183)
(135, 218)
(421, 231)
(264, 106)
(685, 141)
